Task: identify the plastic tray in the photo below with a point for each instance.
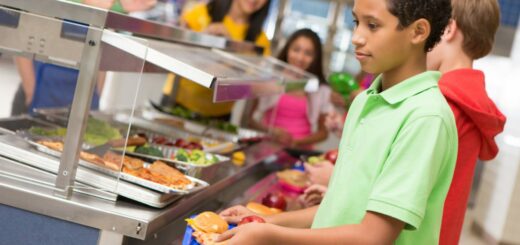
(291, 188)
(188, 238)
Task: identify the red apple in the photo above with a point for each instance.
(275, 201)
(331, 156)
(252, 218)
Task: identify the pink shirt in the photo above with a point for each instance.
(290, 114)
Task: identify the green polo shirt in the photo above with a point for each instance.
(397, 157)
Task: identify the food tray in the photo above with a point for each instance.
(152, 113)
(24, 122)
(171, 150)
(198, 184)
(193, 170)
(188, 238)
(18, 149)
(183, 166)
(155, 128)
(208, 144)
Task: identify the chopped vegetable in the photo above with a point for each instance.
(195, 156)
(97, 133)
(182, 155)
(147, 150)
(48, 132)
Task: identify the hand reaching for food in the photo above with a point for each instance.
(217, 29)
(235, 214)
(137, 5)
(319, 173)
(313, 195)
(281, 136)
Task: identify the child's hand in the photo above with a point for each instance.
(137, 5)
(236, 213)
(104, 4)
(281, 136)
(217, 29)
(319, 173)
(334, 122)
(337, 99)
(251, 234)
(313, 195)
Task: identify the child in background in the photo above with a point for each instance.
(48, 86)
(238, 20)
(398, 150)
(297, 117)
(467, 37)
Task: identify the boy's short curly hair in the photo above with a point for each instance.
(437, 12)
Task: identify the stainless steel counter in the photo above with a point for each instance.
(125, 217)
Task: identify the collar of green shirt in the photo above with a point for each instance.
(406, 88)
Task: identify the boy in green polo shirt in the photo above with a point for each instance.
(399, 143)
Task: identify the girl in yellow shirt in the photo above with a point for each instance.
(238, 20)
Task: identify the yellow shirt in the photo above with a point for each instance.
(198, 19)
(193, 96)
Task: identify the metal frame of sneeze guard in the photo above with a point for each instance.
(40, 45)
(285, 78)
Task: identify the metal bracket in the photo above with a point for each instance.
(79, 113)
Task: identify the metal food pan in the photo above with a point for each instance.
(55, 115)
(24, 122)
(20, 150)
(208, 144)
(155, 128)
(169, 151)
(205, 130)
(197, 184)
(193, 170)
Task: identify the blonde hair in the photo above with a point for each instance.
(478, 21)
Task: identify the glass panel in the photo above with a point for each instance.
(286, 72)
(202, 65)
(119, 53)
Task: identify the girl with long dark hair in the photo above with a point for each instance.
(298, 117)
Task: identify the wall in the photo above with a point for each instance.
(9, 82)
(496, 208)
(120, 90)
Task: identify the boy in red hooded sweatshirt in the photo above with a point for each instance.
(469, 36)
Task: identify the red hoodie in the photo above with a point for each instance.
(478, 122)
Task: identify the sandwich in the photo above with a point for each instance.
(207, 227)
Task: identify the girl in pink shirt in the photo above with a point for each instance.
(297, 117)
